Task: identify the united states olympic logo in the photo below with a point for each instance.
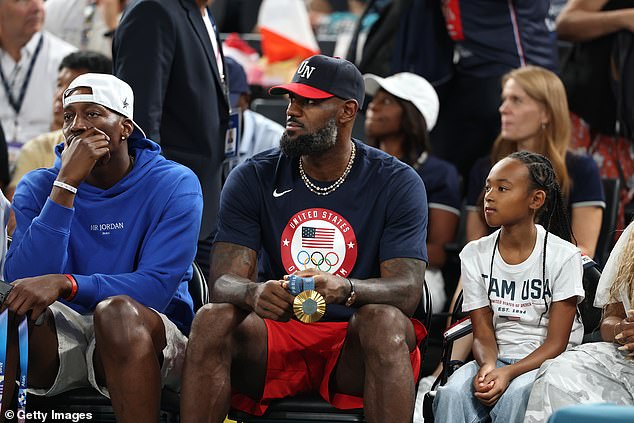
(321, 239)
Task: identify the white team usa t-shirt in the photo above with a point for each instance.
(516, 291)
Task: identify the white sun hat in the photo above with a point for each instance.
(411, 87)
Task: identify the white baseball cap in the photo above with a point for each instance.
(107, 90)
(410, 87)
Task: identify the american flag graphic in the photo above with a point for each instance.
(317, 237)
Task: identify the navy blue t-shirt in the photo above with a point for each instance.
(442, 184)
(585, 182)
(494, 36)
(378, 213)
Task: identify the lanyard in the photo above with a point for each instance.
(17, 104)
(23, 334)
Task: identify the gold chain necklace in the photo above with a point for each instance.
(333, 187)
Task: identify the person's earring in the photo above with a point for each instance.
(122, 138)
(543, 125)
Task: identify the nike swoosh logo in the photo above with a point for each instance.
(279, 194)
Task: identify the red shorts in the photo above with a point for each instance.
(301, 358)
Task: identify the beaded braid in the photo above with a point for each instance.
(552, 215)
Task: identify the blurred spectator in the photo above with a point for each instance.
(341, 23)
(491, 38)
(372, 43)
(28, 69)
(326, 18)
(258, 133)
(40, 151)
(556, 6)
(236, 15)
(170, 53)
(403, 110)
(86, 24)
(535, 117)
(587, 73)
(4, 162)
(402, 36)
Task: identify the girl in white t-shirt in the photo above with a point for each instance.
(522, 285)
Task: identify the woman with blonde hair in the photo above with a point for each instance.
(598, 372)
(535, 117)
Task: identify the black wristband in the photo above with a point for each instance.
(353, 296)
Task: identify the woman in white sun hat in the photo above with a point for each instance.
(403, 110)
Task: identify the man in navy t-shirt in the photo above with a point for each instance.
(323, 206)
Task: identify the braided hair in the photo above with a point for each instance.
(553, 214)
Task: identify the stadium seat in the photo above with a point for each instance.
(592, 413)
(272, 108)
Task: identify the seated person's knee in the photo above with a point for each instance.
(217, 313)
(114, 310)
(380, 327)
(220, 318)
(117, 318)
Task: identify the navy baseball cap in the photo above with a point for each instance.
(237, 80)
(324, 77)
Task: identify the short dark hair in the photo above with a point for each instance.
(91, 61)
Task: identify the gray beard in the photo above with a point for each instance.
(317, 142)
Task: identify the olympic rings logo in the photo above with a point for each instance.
(318, 259)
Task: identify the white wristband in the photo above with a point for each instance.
(65, 186)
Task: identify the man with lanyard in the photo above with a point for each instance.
(87, 24)
(257, 132)
(349, 218)
(29, 59)
(103, 249)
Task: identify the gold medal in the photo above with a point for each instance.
(309, 306)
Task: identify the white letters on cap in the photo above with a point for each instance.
(304, 70)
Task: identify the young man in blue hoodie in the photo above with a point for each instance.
(103, 247)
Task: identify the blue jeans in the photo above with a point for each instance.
(455, 401)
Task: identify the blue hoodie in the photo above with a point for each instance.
(137, 238)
